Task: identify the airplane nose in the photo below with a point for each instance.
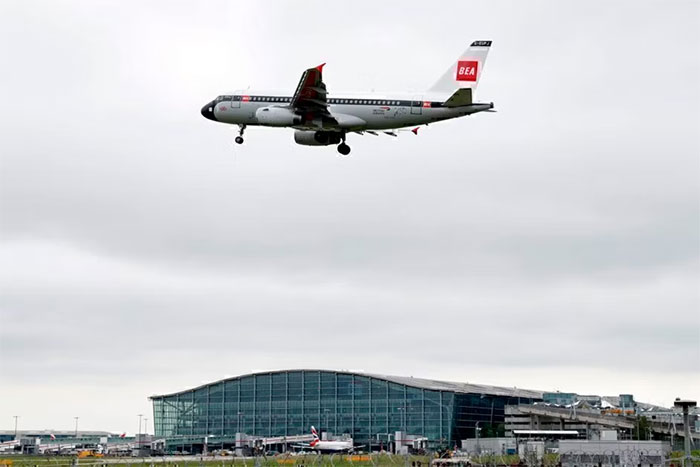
(208, 111)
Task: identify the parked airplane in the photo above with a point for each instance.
(319, 120)
(328, 446)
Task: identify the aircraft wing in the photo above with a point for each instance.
(310, 96)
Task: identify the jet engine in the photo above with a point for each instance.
(316, 138)
(277, 116)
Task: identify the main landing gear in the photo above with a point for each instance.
(239, 138)
(343, 148)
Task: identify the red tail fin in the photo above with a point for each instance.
(315, 433)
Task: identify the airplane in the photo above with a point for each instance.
(328, 446)
(320, 120)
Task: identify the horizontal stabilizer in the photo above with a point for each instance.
(461, 97)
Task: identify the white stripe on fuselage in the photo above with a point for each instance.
(333, 445)
(380, 112)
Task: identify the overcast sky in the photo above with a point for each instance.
(553, 245)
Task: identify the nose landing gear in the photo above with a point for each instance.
(343, 148)
(239, 138)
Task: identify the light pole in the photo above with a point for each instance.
(239, 421)
(16, 417)
(138, 436)
(476, 433)
(76, 426)
(402, 414)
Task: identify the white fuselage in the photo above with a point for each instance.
(351, 113)
(333, 446)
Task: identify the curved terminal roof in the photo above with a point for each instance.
(434, 385)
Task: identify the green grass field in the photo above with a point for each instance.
(309, 460)
(381, 460)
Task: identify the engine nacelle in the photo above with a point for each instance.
(316, 138)
(277, 116)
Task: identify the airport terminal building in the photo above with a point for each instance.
(369, 408)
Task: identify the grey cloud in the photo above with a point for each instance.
(140, 249)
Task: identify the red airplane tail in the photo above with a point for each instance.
(316, 439)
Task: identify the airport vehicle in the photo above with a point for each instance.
(320, 120)
(90, 453)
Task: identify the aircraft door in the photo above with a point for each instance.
(417, 105)
(237, 98)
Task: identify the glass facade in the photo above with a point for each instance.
(368, 408)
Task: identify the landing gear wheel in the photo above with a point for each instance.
(343, 149)
(241, 130)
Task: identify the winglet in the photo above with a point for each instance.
(415, 130)
(320, 67)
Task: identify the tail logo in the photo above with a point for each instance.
(315, 434)
(467, 70)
